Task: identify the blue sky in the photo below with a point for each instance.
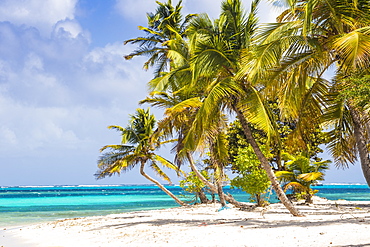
(63, 80)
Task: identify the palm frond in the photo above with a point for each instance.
(312, 176)
(168, 164)
(353, 49)
(159, 172)
(254, 107)
(284, 176)
(296, 185)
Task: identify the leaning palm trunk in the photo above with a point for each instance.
(266, 166)
(142, 172)
(213, 188)
(202, 196)
(220, 192)
(360, 137)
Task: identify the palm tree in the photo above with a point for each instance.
(163, 26)
(310, 37)
(215, 50)
(218, 47)
(137, 147)
(170, 91)
(179, 115)
(301, 174)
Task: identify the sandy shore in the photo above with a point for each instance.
(327, 223)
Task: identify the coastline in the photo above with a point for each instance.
(327, 223)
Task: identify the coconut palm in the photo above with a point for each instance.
(170, 91)
(179, 115)
(301, 174)
(310, 37)
(137, 148)
(163, 26)
(218, 48)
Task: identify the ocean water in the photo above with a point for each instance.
(28, 205)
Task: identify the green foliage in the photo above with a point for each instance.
(251, 177)
(356, 90)
(237, 140)
(192, 183)
(137, 146)
(301, 174)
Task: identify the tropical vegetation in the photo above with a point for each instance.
(301, 173)
(246, 96)
(139, 141)
(251, 177)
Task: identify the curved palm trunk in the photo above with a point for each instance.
(202, 196)
(228, 198)
(361, 143)
(266, 166)
(221, 193)
(142, 172)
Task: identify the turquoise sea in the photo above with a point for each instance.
(27, 205)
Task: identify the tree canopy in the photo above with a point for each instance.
(231, 84)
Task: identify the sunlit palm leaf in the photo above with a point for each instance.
(312, 176)
(353, 49)
(159, 172)
(296, 186)
(258, 113)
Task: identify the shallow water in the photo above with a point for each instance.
(27, 205)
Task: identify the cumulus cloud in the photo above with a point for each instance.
(57, 93)
(67, 28)
(40, 14)
(47, 105)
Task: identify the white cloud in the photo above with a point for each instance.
(58, 94)
(44, 111)
(110, 75)
(8, 136)
(40, 14)
(67, 27)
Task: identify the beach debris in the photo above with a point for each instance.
(222, 208)
(203, 224)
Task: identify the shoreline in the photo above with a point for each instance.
(327, 223)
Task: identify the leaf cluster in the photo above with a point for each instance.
(192, 183)
(356, 89)
(251, 177)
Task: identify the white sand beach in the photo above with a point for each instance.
(327, 223)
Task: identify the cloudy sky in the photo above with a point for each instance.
(63, 80)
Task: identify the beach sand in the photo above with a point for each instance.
(327, 223)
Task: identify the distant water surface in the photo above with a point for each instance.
(27, 205)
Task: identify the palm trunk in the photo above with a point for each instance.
(360, 137)
(228, 198)
(220, 192)
(260, 201)
(266, 166)
(142, 172)
(202, 196)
